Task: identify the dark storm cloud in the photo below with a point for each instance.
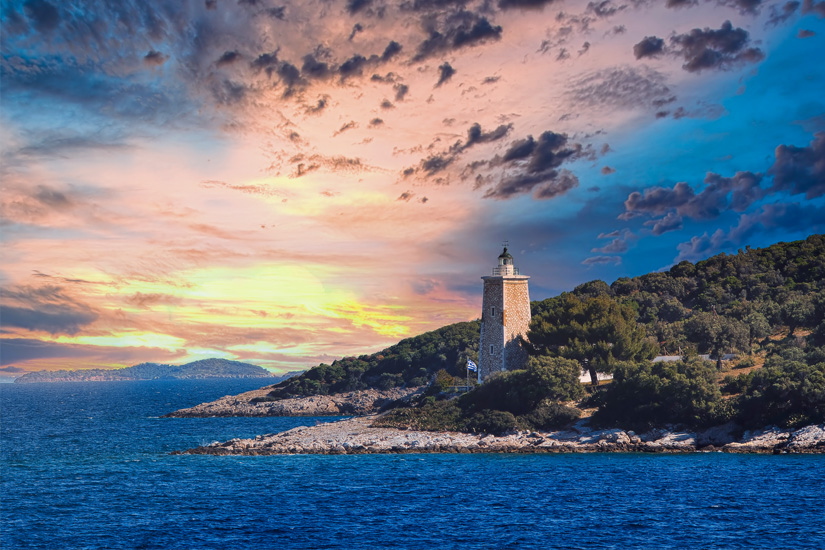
(811, 6)
(649, 46)
(355, 6)
(780, 15)
(800, 169)
(714, 48)
(352, 66)
(544, 185)
(475, 135)
(358, 27)
(445, 73)
(401, 91)
(46, 308)
(392, 49)
(523, 4)
(155, 58)
(314, 69)
(771, 218)
(532, 166)
(720, 194)
(278, 12)
(671, 222)
(458, 30)
(621, 87)
(228, 58)
(43, 15)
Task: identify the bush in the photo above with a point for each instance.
(785, 392)
(551, 416)
(654, 394)
(491, 422)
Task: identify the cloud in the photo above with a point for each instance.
(438, 162)
(805, 33)
(811, 6)
(458, 30)
(523, 4)
(671, 222)
(12, 369)
(780, 16)
(649, 46)
(607, 170)
(596, 260)
(46, 308)
(401, 91)
(620, 87)
(355, 6)
(155, 58)
(720, 194)
(720, 48)
(392, 49)
(532, 165)
(228, 58)
(800, 169)
(445, 73)
(43, 15)
(347, 126)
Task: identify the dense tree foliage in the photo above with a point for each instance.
(710, 306)
(410, 362)
(645, 395)
(786, 392)
(597, 331)
(525, 399)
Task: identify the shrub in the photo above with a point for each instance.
(550, 416)
(654, 394)
(784, 392)
(491, 422)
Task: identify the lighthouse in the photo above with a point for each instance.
(505, 319)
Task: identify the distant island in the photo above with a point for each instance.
(205, 368)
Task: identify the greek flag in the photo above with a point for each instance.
(472, 366)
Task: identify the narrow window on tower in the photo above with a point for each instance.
(493, 311)
(491, 348)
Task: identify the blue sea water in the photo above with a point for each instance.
(88, 466)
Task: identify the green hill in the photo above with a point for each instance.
(205, 368)
(765, 306)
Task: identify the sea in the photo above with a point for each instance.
(90, 466)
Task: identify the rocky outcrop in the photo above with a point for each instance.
(246, 404)
(358, 436)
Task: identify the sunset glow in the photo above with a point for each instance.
(288, 184)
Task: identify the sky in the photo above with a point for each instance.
(286, 183)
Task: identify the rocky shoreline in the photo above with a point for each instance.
(244, 404)
(358, 436)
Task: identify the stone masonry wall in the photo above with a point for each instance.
(505, 317)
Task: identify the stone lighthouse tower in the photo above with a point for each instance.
(505, 318)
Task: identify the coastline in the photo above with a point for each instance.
(351, 403)
(358, 436)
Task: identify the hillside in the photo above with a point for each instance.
(205, 368)
(725, 304)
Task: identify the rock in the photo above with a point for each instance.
(717, 436)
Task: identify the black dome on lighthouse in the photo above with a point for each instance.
(505, 254)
